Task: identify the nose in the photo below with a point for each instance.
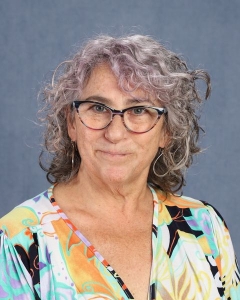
(116, 130)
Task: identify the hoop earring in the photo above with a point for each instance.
(154, 171)
(73, 153)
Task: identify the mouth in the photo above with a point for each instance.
(114, 153)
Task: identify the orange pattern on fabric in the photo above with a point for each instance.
(181, 202)
(75, 252)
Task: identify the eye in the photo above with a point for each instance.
(99, 108)
(138, 111)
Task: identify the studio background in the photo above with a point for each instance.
(37, 35)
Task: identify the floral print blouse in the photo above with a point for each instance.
(44, 256)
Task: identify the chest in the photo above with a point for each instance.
(126, 247)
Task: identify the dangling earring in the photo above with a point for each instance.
(154, 171)
(73, 153)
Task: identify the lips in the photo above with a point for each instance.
(114, 153)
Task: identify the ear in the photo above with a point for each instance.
(71, 125)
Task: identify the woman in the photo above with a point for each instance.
(121, 129)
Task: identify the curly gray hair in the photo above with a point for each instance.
(137, 62)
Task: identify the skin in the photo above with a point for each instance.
(109, 196)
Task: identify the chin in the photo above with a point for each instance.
(117, 176)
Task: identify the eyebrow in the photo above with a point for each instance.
(110, 102)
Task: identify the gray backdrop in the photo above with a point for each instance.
(37, 35)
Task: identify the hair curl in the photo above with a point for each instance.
(137, 62)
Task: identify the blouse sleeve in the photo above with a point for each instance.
(225, 256)
(15, 280)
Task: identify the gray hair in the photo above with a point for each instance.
(137, 62)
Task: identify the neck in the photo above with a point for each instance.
(85, 192)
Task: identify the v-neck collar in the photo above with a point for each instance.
(97, 254)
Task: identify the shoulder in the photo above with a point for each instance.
(19, 251)
(178, 201)
(198, 225)
(175, 202)
(25, 215)
(191, 217)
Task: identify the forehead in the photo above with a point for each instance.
(103, 82)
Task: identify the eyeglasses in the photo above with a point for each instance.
(138, 119)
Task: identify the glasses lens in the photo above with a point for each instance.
(94, 115)
(140, 119)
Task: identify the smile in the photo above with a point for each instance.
(113, 153)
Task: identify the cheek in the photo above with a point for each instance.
(159, 134)
(149, 147)
(152, 145)
(86, 140)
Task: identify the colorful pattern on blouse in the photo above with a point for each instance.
(44, 256)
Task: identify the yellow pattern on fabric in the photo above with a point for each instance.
(193, 257)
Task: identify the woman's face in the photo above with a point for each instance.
(115, 154)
